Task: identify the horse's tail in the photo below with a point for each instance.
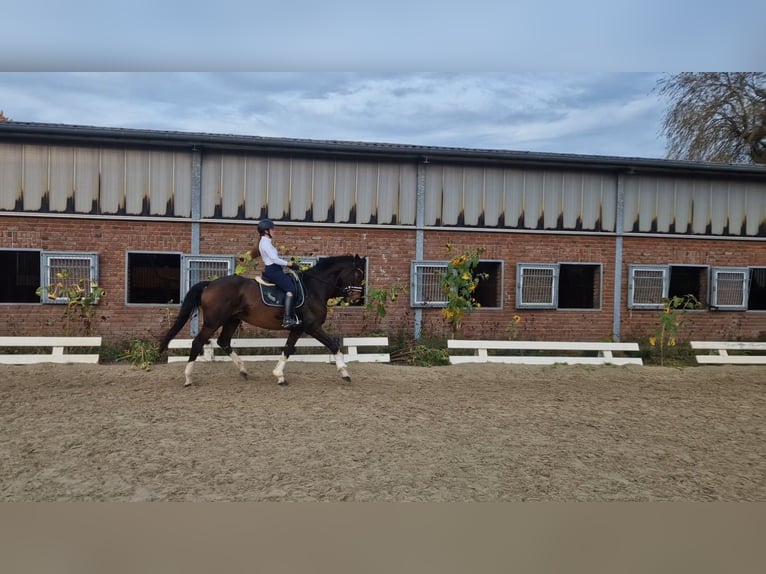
(191, 302)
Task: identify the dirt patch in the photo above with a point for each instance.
(396, 433)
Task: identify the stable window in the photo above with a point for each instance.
(426, 284)
(64, 273)
(20, 277)
(54, 273)
(648, 285)
(734, 289)
(164, 278)
(204, 268)
(558, 286)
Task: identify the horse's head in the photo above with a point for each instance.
(351, 279)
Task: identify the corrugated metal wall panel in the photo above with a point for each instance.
(324, 190)
(701, 196)
(388, 192)
(161, 183)
(137, 171)
(11, 159)
(571, 201)
(86, 180)
(35, 174)
(756, 209)
(433, 193)
(513, 199)
(552, 199)
(474, 198)
(345, 186)
(408, 183)
(112, 198)
(534, 186)
(211, 184)
(494, 196)
(683, 209)
(256, 177)
(182, 178)
(232, 185)
(301, 189)
(452, 195)
(279, 188)
(366, 192)
(62, 177)
(719, 208)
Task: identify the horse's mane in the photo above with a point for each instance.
(327, 262)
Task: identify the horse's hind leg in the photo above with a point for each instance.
(334, 347)
(198, 344)
(224, 341)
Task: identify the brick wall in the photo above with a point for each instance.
(390, 253)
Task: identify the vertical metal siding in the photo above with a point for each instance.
(35, 176)
(137, 181)
(494, 196)
(366, 192)
(62, 176)
(256, 170)
(388, 192)
(513, 198)
(345, 186)
(11, 160)
(112, 198)
(756, 209)
(474, 196)
(324, 190)
(301, 189)
(279, 188)
(452, 195)
(232, 185)
(407, 197)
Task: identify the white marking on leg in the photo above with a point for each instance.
(340, 363)
(188, 372)
(237, 360)
(279, 370)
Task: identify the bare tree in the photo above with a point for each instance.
(3, 117)
(716, 116)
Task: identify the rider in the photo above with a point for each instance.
(273, 271)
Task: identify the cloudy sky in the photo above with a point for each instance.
(506, 74)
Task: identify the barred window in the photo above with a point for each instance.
(647, 287)
(535, 286)
(426, 290)
(729, 288)
(204, 268)
(65, 272)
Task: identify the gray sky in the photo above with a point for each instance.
(506, 74)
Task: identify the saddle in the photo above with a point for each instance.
(273, 296)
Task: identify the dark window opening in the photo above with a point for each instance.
(20, 277)
(488, 290)
(579, 286)
(154, 278)
(757, 295)
(688, 280)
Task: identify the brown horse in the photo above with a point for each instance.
(227, 301)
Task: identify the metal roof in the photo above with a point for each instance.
(89, 135)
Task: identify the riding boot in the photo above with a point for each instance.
(290, 320)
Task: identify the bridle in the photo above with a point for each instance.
(348, 289)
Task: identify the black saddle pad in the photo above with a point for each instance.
(273, 296)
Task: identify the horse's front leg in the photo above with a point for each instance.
(287, 350)
(224, 341)
(335, 349)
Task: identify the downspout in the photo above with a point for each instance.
(420, 218)
(618, 247)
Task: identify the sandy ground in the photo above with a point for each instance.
(395, 433)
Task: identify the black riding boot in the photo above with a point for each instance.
(290, 320)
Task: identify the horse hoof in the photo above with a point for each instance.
(282, 383)
(347, 379)
(243, 375)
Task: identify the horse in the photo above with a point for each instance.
(227, 301)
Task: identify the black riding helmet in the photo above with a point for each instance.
(264, 225)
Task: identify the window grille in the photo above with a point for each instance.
(648, 286)
(536, 286)
(204, 268)
(426, 286)
(61, 272)
(730, 287)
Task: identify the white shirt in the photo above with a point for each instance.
(269, 252)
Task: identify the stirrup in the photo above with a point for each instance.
(290, 322)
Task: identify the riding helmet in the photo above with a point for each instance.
(265, 224)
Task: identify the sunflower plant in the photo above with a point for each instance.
(671, 320)
(459, 285)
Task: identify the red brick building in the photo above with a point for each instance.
(580, 247)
